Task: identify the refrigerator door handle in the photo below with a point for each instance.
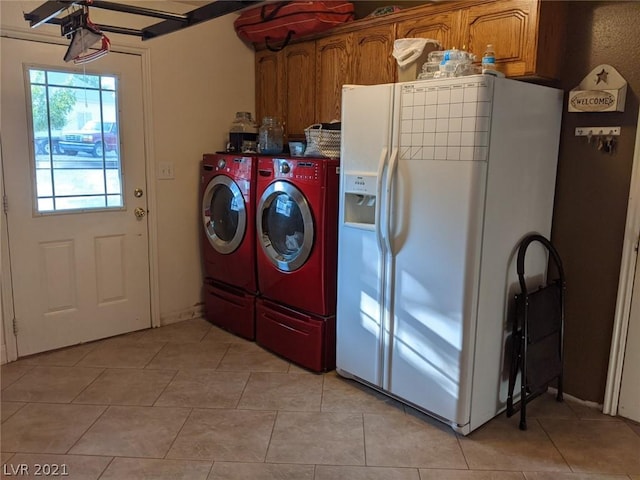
(393, 163)
(382, 266)
(378, 207)
(388, 268)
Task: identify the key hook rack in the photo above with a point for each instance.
(604, 137)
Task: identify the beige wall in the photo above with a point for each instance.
(200, 77)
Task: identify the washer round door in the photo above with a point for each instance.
(224, 214)
(285, 226)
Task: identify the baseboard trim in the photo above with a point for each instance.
(586, 403)
(196, 311)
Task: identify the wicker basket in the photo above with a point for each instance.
(323, 140)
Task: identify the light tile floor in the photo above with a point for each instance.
(190, 401)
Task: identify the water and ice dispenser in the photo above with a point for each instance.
(360, 199)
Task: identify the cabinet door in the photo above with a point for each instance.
(333, 69)
(299, 87)
(268, 85)
(372, 59)
(443, 27)
(510, 26)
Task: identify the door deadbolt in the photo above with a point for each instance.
(139, 212)
(138, 192)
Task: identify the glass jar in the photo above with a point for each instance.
(243, 133)
(270, 136)
(243, 123)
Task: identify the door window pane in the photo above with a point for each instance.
(76, 141)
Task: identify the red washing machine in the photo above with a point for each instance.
(227, 195)
(296, 226)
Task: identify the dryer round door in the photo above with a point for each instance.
(224, 214)
(285, 226)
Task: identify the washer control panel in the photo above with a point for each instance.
(229, 164)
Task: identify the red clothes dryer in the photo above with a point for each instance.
(306, 339)
(296, 226)
(227, 196)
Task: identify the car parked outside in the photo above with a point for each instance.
(45, 144)
(94, 138)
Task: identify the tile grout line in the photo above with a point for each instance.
(4, 387)
(537, 420)
(364, 440)
(186, 419)
(88, 428)
(273, 429)
(246, 383)
(324, 377)
(86, 386)
(113, 459)
(24, 404)
(459, 441)
(87, 353)
(210, 472)
(164, 344)
(222, 357)
(205, 334)
(175, 374)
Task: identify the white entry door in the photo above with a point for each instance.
(629, 401)
(76, 195)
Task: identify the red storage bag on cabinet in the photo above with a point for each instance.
(282, 21)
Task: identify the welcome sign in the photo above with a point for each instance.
(602, 90)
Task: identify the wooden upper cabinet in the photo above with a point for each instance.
(443, 27)
(508, 25)
(268, 85)
(299, 61)
(372, 61)
(302, 84)
(525, 34)
(333, 69)
(362, 57)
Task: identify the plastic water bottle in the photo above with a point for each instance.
(489, 58)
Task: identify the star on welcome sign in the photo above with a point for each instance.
(602, 76)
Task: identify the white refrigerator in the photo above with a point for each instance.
(440, 180)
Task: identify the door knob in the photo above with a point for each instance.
(137, 192)
(139, 212)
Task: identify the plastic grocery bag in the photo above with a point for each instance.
(408, 50)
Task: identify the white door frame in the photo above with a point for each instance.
(154, 284)
(628, 271)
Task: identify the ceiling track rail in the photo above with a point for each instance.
(48, 11)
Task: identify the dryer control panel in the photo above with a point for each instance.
(297, 169)
(309, 171)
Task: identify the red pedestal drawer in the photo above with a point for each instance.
(308, 340)
(230, 308)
